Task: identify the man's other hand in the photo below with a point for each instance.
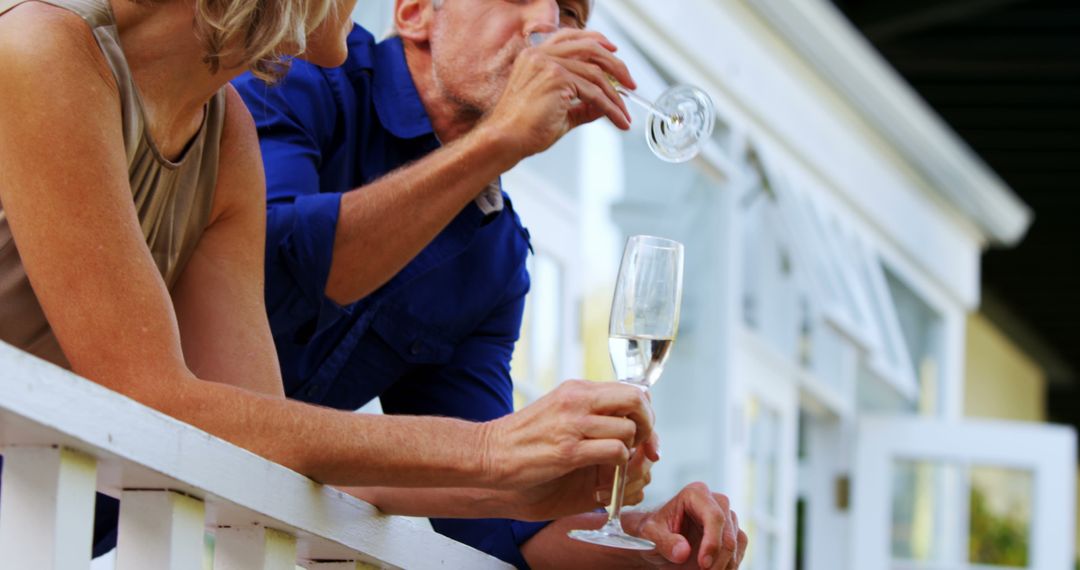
(695, 529)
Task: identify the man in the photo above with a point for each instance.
(395, 264)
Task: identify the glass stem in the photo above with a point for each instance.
(634, 97)
(614, 510)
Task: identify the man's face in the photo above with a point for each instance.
(474, 43)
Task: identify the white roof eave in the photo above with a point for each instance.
(832, 46)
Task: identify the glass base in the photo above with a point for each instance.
(679, 135)
(618, 539)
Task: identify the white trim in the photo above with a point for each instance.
(813, 390)
(140, 448)
(1048, 452)
(835, 49)
(773, 382)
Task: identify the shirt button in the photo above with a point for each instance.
(416, 348)
(312, 390)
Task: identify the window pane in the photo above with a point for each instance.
(918, 517)
(762, 476)
(770, 296)
(824, 235)
(1000, 511)
(877, 305)
(920, 326)
(830, 356)
(765, 552)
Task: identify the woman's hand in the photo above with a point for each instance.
(582, 490)
(578, 425)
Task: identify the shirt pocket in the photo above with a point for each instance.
(414, 341)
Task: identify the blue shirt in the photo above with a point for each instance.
(437, 338)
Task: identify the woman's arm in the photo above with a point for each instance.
(67, 198)
(219, 297)
(577, 492)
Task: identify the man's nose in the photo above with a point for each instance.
(542, 16)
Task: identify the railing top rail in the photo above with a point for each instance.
(42, 404)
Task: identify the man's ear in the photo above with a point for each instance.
(412, 19)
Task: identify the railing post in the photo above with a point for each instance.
(47, 508)
(160, 529)
(254, 548)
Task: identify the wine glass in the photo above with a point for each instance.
(680, 120)
(644, 320)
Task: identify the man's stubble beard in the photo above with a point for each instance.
(472, 100)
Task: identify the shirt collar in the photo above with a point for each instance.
(397, 102)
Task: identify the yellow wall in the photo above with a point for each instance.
(1000, 381)
(594, 334)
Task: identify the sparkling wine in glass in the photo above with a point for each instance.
(644, 320)
(680, 120)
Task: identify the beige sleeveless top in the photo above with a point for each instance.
(173, 199)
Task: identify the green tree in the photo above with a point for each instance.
(998, 539)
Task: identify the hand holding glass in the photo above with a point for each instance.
(680, 120)
(644, 320)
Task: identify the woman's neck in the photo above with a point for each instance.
(166, 62)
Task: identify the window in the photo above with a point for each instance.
(816, 289)
(797, 292)
(537, 364)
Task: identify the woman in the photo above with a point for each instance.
(131, 243)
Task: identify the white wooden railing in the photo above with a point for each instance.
(64, 437)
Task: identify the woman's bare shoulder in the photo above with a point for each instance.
(58, 94)
(239, 125)
(35, 36)
(240, 174)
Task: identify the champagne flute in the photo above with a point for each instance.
(680, 120)
(644, 320)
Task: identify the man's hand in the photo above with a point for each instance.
(695, 529)
(556, 86)
(578, 425)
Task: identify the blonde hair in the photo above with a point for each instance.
(259, 35)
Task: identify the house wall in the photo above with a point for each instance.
(1001, 381)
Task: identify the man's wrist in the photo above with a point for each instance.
(495, 142)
